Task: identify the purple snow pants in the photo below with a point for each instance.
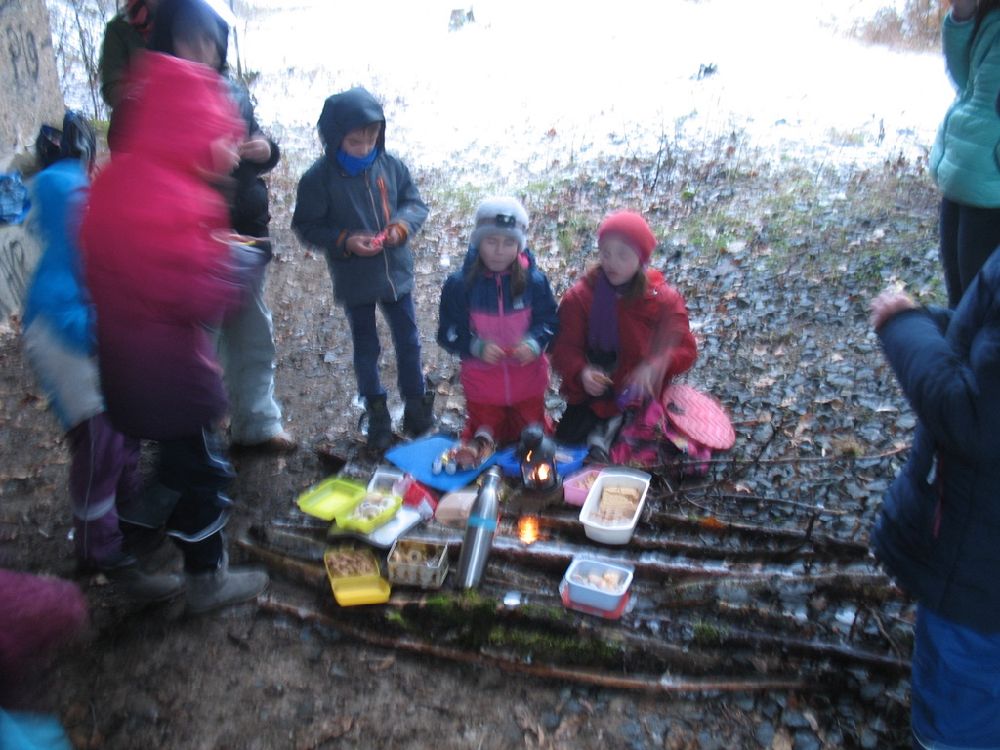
(104, 471)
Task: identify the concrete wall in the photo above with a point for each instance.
(29, 97)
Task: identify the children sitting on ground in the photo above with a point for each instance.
(498, 314)
(623, 335)
(60, 346)
(358, 204)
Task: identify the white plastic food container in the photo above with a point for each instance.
(610, 516)
(597, 583)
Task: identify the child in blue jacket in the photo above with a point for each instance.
(358, 204)
(498, 314)
(60, 346)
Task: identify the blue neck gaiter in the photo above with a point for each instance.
(352, 164)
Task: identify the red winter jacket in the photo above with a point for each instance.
(660, 314)
(156, 275)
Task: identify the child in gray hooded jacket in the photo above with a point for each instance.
(359, 205)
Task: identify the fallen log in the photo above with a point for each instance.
(668, 684)
(728, 637)
(705, 634)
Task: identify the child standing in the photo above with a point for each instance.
(59, 344)
(359, 205)
(498, 314)
(162, 274)
(623, 333)
(192, 30)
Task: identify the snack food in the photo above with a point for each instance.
(343, 563)
(414, 554)
(369, 508)
(415, 563)
(616, 504)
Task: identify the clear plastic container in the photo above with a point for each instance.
(385, 480)
(416, 563)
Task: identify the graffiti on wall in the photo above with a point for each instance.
(22, 51)
(13, 274)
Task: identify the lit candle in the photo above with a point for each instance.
(527, 529)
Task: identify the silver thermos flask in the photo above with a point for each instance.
(479, 531)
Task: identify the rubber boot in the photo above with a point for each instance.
(379, 423)
(418, 414)
(138, 586)
(223, 587)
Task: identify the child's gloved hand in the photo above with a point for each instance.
(361, 244)
(395, 235)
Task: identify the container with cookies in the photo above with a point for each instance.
(416, 563)
(355, 576)
(614, 504)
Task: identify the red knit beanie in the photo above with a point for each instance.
(632, 229)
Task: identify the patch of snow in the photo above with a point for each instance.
(532, 82)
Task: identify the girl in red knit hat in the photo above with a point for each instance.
(623, 335)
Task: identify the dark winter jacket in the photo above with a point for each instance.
(659, 315)
(940, 523)
(156, 270)
(331, 205)
(486, 310)
(249, 209)
(121, 44)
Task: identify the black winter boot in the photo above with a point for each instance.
(418, 414)
(379, 423)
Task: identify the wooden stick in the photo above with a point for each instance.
(310, 574)
(714, 525)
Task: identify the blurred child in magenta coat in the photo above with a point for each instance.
(163, 273)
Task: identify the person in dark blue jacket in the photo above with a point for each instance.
(194, 30)
(939, 529)
(498, 314)
(358, 204)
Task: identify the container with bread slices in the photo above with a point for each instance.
(614, 504)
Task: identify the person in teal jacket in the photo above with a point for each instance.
(965, 159)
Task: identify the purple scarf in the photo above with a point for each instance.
(602, 325)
